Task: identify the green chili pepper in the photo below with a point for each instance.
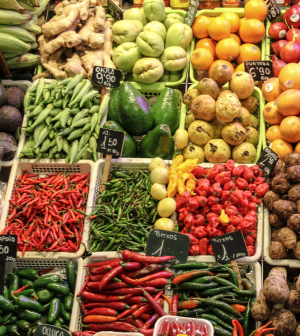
(46, 307)
(247, 315)
(225, 317)
(214, 291)
(54, 310)
(14, 284)
(68, 302)
(28, 303)
(242, 292)
(71, 275)
(28, 273)
(23, 325)
(12, 330)
(221, 331)
(5, 304)
(28, 315)
(223, 282)
(65, 315)
(58, 288)
(218, 320)
(234, 277)
(44, 280)
(198, 286)
(45, 295)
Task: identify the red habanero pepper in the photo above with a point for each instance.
(198, 172)
(243, 210)
(200, 232)
(247, 194)
(246, 227)
(230, 228)
(206, 210)
(229, 165)
(193, 239)
(192, 204)
(187, 195)
(256, 170)
(212, 232)
(251, 252)
(237, 171)
(211, 173)
(199, 220)
(249, 217)
(214, 221)
(223, 177)
(231, 211)
(234, 220)
(212, 200)
(241, 183)
(248, 174)
(220, 232)
(189, 221)
(249, 241)
(203, 246)
(182, 214)
(194, 250)
(261, 189)
(252, 206)
(259, 180)
(229, 185)
(202, 188)
(217, 208)
(210, 250)
(238, 198)
(252, 187)
(255, 200)
(215, 190)
(180, 202)
(225, 196)
(253, 234)
(202, 200)
(252, 213)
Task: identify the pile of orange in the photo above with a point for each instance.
(229, 38)
(282, 111)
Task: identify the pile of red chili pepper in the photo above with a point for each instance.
(47, 213)
(189, 328)
(124, 294)
(225, 199)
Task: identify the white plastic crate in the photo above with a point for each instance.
(23, 85)
(76, 317)
(134, 164)
(48, 166)
(40, 265)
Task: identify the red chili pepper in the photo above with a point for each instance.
(192, 204)
(237, 171)
(113, 326)
(103, 298)
(223, 177)
(136, 282)
(136, 300)
(198, 172)
(187, 305)
(174, 304)
(156, 307)
(150, 321)
(237, 328)
(251, 250)
(103, 311)
(229, 165)
(162, 327)
(133, 256)
(112, 305)
(203, 246)
(261, 189)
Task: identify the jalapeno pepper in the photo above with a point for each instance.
(28, 303)
(64, 314)
(54, 310)
(23, 326)
(14, 284)
(71, 275)
(68, 302)
(26, 282)
(45, 280)
(5, 304)
(2, 330)
(26, 292)
(58, 288)
(57, 323)
(28, 315)
(12, 330)
(46, 307)
(45, 295)
(28, 273)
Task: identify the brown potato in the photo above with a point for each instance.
(294, 222)
(280, 184)
(293, 173)
(260, 310)
(279, 168)
(284, 209)
(275, 221)
(296, 250)
(292, 159)
(284, 321)
(204, 107)
(275, 235)
(294, 193)
(287, 237)
(277, 250)
(275, 286)
(269, 198)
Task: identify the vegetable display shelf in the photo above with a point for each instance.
(58, 266)
(262, 130)
(217, 12)
(136, 164)
(47, 167)
(76, 318)
(23, 85)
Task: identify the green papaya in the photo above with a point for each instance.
(113, 107)
(129, 147)
(165, 110)
(158, 143)
(134, 110)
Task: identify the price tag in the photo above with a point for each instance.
(273, 10)
(8, 248)
(110, 142)
(108, 77)
(230, 246)
(259, 70)
(168, 243)
(114, 10)
(267, 160)
(50, 330)
(191, 12)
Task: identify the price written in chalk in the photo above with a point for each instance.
(114, 10)
(273, 10)
(8, 247)
(267, 160)
(110, 142)
(107, 77)
(50, 330)
(259, 70)
(191, 12)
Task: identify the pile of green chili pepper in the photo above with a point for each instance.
(211, 292)
(32, 298)
(124, 213)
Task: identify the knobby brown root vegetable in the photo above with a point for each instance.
(280, 184)
(294, 193)
(260, 310)
(296, 250)
(275, 221)
(298, 284)
(269, 198)
(297, 331)
(294, 222)
(293, 173)
(293, 303)
(287, 237)
(284, 321)
(279, 168)
(74, 67)
(284, 209)
(292, 159)
(277, 250)
(275, 287)
(275, 235)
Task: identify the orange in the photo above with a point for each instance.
(209, 44)
(227, 49)
(234, 20)
(289, 77)
(240, 67)
(273, 133)
(288, 103)
(202, 59)
(215, 63)
(281, 148)
(236, 38)
(256, 9)
(248, 52)
(271, 114)
(290, 129)
(271, 89)
(252, 31)
(242, 20)
(219, 28)
(297, 148)
(200, 26)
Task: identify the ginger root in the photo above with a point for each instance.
(74, 66)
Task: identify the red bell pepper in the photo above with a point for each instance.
(231, 211)
(192, 204)
(180, 202)
(253, 234)
(243, 210)
(234, 220)
(229, 165)
(199, 220)
(227, 203)
(187, 195)
(256, 170)
(220, 232)
(212, 232)
(238, 198)
(241, 183)
(248, 174)
(229, 185)
(202, 200)
(223, 177)
(217, 208)
(237, 171)
(210, 250)
(230, 228)
(198, 172)
(202, 188)
(249, 240)
(212, 200)
(251, 252)
(203, 246)
(215, 190)
(261, 189)
(206, 210)
(259, 180)
(225, 196)
(200, 232)
(246, 227)
(194, 249)
(189, 221)
(252, 187)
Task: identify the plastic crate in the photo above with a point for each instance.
(76, 318)
(41, 265)
(135, 164)
(84, 166)
(23, 85)
(262, 133)
(217, 12)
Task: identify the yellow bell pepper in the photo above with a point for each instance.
(187, 166)
(224, 219)
(177, 161)
(191, 183)
(172, 186)
(180, 183)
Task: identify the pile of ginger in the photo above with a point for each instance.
(75, 40)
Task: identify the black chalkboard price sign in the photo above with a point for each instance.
(114, 10)
(259, 70)
(191, 12)
(230, 246)
(108, 77)
(50, 330)
(273, 10)
(267, 160)
(168, 243)
(110, 142)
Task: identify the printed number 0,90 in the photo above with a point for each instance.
(112, 142)
(4, 250)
